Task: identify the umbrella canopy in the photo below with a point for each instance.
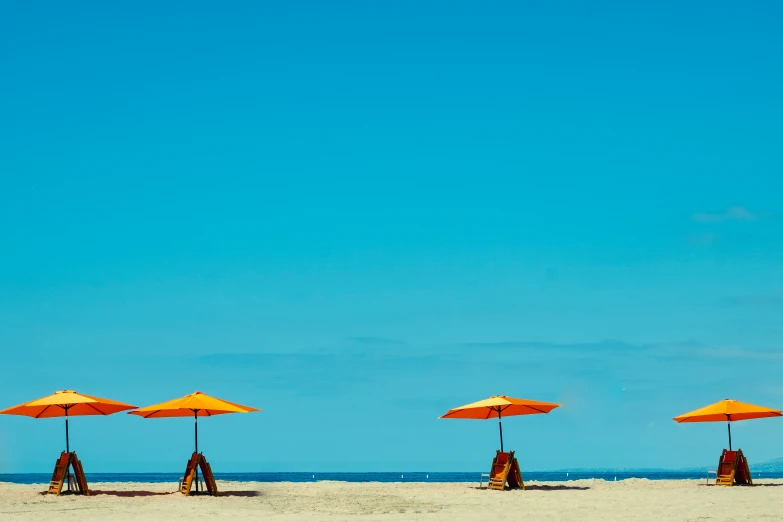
(67, 403)
(728, 411)
(196, 403)
(192, 405)
(499, 406)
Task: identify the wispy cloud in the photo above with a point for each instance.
(602, 346)
(754, 300)
(660, 351)
(375, 341)
(736, 213)
(703, 239)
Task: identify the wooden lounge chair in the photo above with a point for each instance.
(78, 470)
(733, 469)
(197, 460)
(190, 474)
(742, 476)
(505, 470)
(61, 475)
(209, 478)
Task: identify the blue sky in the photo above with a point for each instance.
(357, 216)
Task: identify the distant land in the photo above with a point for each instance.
(774, 465)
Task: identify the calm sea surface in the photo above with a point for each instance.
(473, 476)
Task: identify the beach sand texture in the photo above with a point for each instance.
(588, 500)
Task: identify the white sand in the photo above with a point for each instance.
(589, 500)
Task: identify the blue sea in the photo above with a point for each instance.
(471, 476)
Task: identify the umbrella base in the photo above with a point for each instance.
(76, 483)
(197, 460)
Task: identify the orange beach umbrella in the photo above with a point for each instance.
(729, 411)
(499, 406)
(192, 405)
(67, 403)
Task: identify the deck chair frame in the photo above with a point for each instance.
(61, 475)
(505, 472)
(197, 460)
(734, 472)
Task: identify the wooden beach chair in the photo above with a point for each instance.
(742, 476)
(190, 475)
(733, 469)
(505, 470)
(209, 478)
(727, 468)
(197, 460)
(61, 475)
(78, 470)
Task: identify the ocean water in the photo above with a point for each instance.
(471, 476)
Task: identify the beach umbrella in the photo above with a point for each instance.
(728, 411)
(192, 405)
(67, 403)
(499, 406)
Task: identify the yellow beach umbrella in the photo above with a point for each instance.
(195, 404)
(499, 406)
(67, 403)
(728, 411)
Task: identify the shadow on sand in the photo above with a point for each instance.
(239, 494)
(131, 494)
(544, 487)
(66, 493)
(712, 484)
(134, 494)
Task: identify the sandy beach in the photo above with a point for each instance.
(588, 500)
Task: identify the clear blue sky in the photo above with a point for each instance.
(357, 215)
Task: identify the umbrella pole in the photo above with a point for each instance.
(195, 413)
(500, 425)
(67, 447)
(729, 423)
(67, 442)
